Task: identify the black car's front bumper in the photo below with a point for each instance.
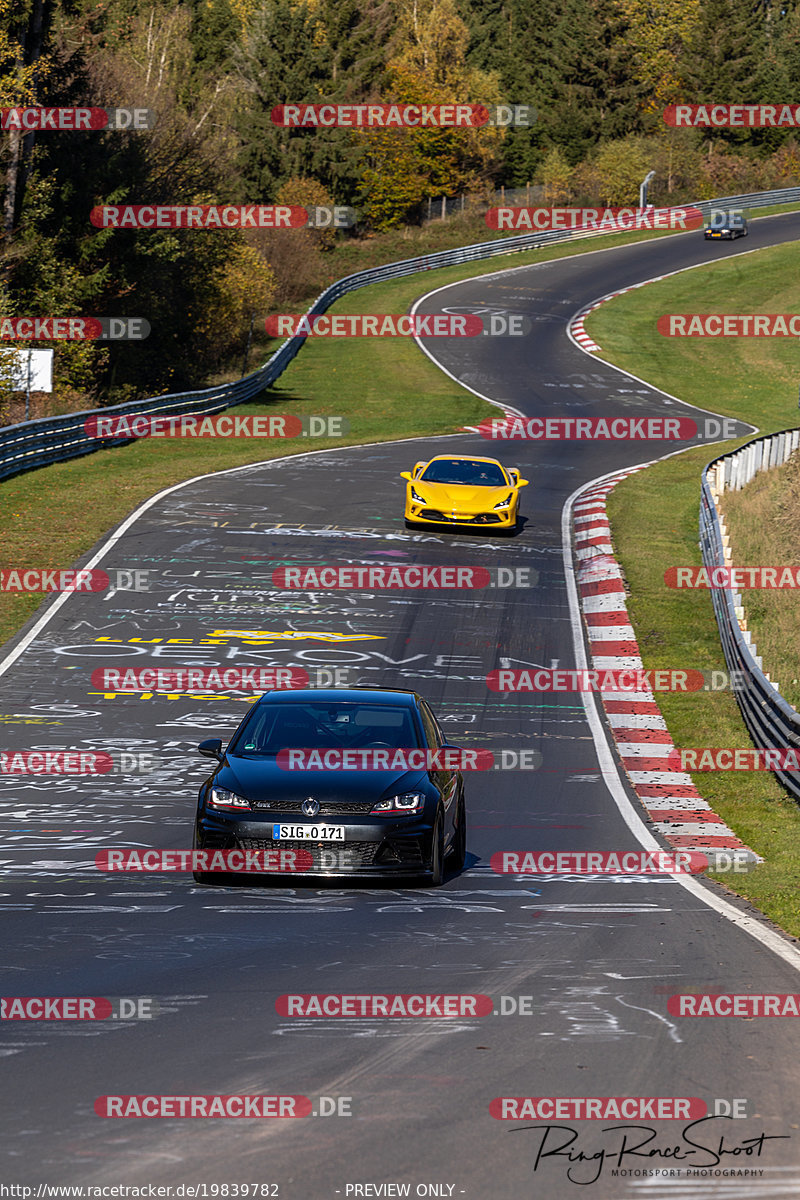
(371, 846)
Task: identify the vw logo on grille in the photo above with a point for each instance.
(311, 807)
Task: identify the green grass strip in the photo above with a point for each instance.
(654, 522)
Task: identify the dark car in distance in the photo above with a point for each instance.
(726, 225)
(368, 822)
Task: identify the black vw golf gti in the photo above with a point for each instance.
(375, 819)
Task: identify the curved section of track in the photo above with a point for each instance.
(597, 956)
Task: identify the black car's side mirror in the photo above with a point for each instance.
(211, 748)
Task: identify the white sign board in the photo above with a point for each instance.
(15, 364)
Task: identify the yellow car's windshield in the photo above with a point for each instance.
(473, 473)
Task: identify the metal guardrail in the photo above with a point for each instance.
(56, 439)
(771, 720)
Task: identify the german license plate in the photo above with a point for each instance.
(308, 833)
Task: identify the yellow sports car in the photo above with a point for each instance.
(463, 493)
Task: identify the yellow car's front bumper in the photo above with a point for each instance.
(423, 514)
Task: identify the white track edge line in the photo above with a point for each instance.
(762, 933)
(11, 657)
(497, 403)
(586, 310)
(750, 925)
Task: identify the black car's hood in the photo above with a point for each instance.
(263, 779)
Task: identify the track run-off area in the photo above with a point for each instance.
(580, 968)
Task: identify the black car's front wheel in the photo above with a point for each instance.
(437, 853)
(458, 853)
(201, 876)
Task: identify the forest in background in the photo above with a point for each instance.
(598, 72)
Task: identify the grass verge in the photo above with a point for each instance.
(654, 520)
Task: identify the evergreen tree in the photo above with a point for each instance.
(284, 58)
(733, 57)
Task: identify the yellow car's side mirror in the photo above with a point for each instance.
(522, 483)
(405, 475)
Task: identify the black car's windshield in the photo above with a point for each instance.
(318, 725)
(464, 470)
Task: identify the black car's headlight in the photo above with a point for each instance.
(505, 503)
(223, 798)
(406, 804)
(416, 496)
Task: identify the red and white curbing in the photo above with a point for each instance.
(577, 328)
(674, 805)
(509, 414)
(579, 332)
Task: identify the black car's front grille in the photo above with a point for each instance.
(359, 854)
(327, 808)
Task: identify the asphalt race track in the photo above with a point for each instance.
(598, 957)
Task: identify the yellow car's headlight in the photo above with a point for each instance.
(416, 496)
(505, 503)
